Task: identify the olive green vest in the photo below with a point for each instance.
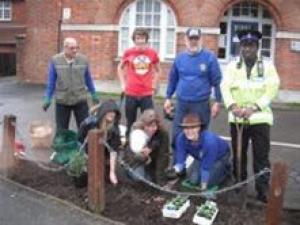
(70, 84)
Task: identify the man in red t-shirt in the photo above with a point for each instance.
(138, 73)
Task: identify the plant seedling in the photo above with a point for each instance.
(206, 213)
(176, 207)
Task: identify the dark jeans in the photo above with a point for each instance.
(260, 136)
(63, 114)
(218, 173)
(132, 104)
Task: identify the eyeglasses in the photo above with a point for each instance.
(194, 38)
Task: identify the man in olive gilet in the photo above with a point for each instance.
(69, 81)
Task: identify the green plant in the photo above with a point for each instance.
(77, 164)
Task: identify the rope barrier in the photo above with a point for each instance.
(31, 157)
(199, 194)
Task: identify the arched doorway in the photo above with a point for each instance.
(245, 15)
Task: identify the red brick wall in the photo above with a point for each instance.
(288, 65)
(41, 38)
(101, 47)
(18, 12)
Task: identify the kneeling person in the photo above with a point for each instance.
(211, 153)
(152, 160)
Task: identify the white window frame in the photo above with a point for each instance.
(163, 29)
(229, 18)
(4, 8)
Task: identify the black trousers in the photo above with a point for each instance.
(260, 136)
(63, 114)
(132, 104)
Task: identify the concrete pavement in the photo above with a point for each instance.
(22, 205)
(19, 205)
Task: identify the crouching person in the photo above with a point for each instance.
(211, 154)
(107, 119)
(148, 155)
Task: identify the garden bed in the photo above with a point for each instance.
(138, 204)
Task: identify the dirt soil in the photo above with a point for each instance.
(137, 204)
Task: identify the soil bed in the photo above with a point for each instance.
(137, 204)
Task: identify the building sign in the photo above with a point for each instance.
(66, 13)
(295, 46)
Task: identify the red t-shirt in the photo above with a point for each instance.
(139, 70)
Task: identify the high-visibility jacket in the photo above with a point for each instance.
(257, 90)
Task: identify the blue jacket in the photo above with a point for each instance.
(208, 149)
(193, 76)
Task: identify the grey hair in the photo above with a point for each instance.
(69, 40)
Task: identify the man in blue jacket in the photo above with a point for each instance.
(194, 74)
(211, 153)
(69, 80)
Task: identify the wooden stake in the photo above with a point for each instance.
(276, 193)
(7, 160)
(96, 171)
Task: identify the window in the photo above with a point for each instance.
(5, 10)
(245, 15)
(155, 16)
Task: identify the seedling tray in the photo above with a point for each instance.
(176, 207)
(206, 213)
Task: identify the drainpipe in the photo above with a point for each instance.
(60, 8)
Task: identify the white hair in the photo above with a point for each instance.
(69, 40)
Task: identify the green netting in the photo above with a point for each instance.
(65, 145)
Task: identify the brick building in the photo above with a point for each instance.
(34, 30)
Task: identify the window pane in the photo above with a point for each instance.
(148, 20)
(156, 35)
(245, 11)
(170, 48)
(267, 30)
(236, 11)
(125, 20)
(171, 35)
(157, 6)
(1, 14)
(6, 14)
(125, 33)
(266, 43)
(266, 14)
(223, 27)
(265, 53)
(139, 20)
(254, 12)
(125, 45)
(139, 6)
(155, 45)
(148, 6)
(6, 3)
(156, 20)
(171, 19)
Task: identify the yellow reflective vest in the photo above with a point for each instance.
(259, 90)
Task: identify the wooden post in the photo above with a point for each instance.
(276, 193)
(7, 159)
(96, 165)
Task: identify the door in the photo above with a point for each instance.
(234, 41)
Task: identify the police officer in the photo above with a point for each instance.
(248, 87)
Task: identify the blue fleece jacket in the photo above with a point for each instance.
(193, 76)
(208, 149)
(52, 77)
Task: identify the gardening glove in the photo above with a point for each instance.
(46, 104)
(95, 98)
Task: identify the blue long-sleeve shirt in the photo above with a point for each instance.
(192, 76)
(208, 149)
(52, 77)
